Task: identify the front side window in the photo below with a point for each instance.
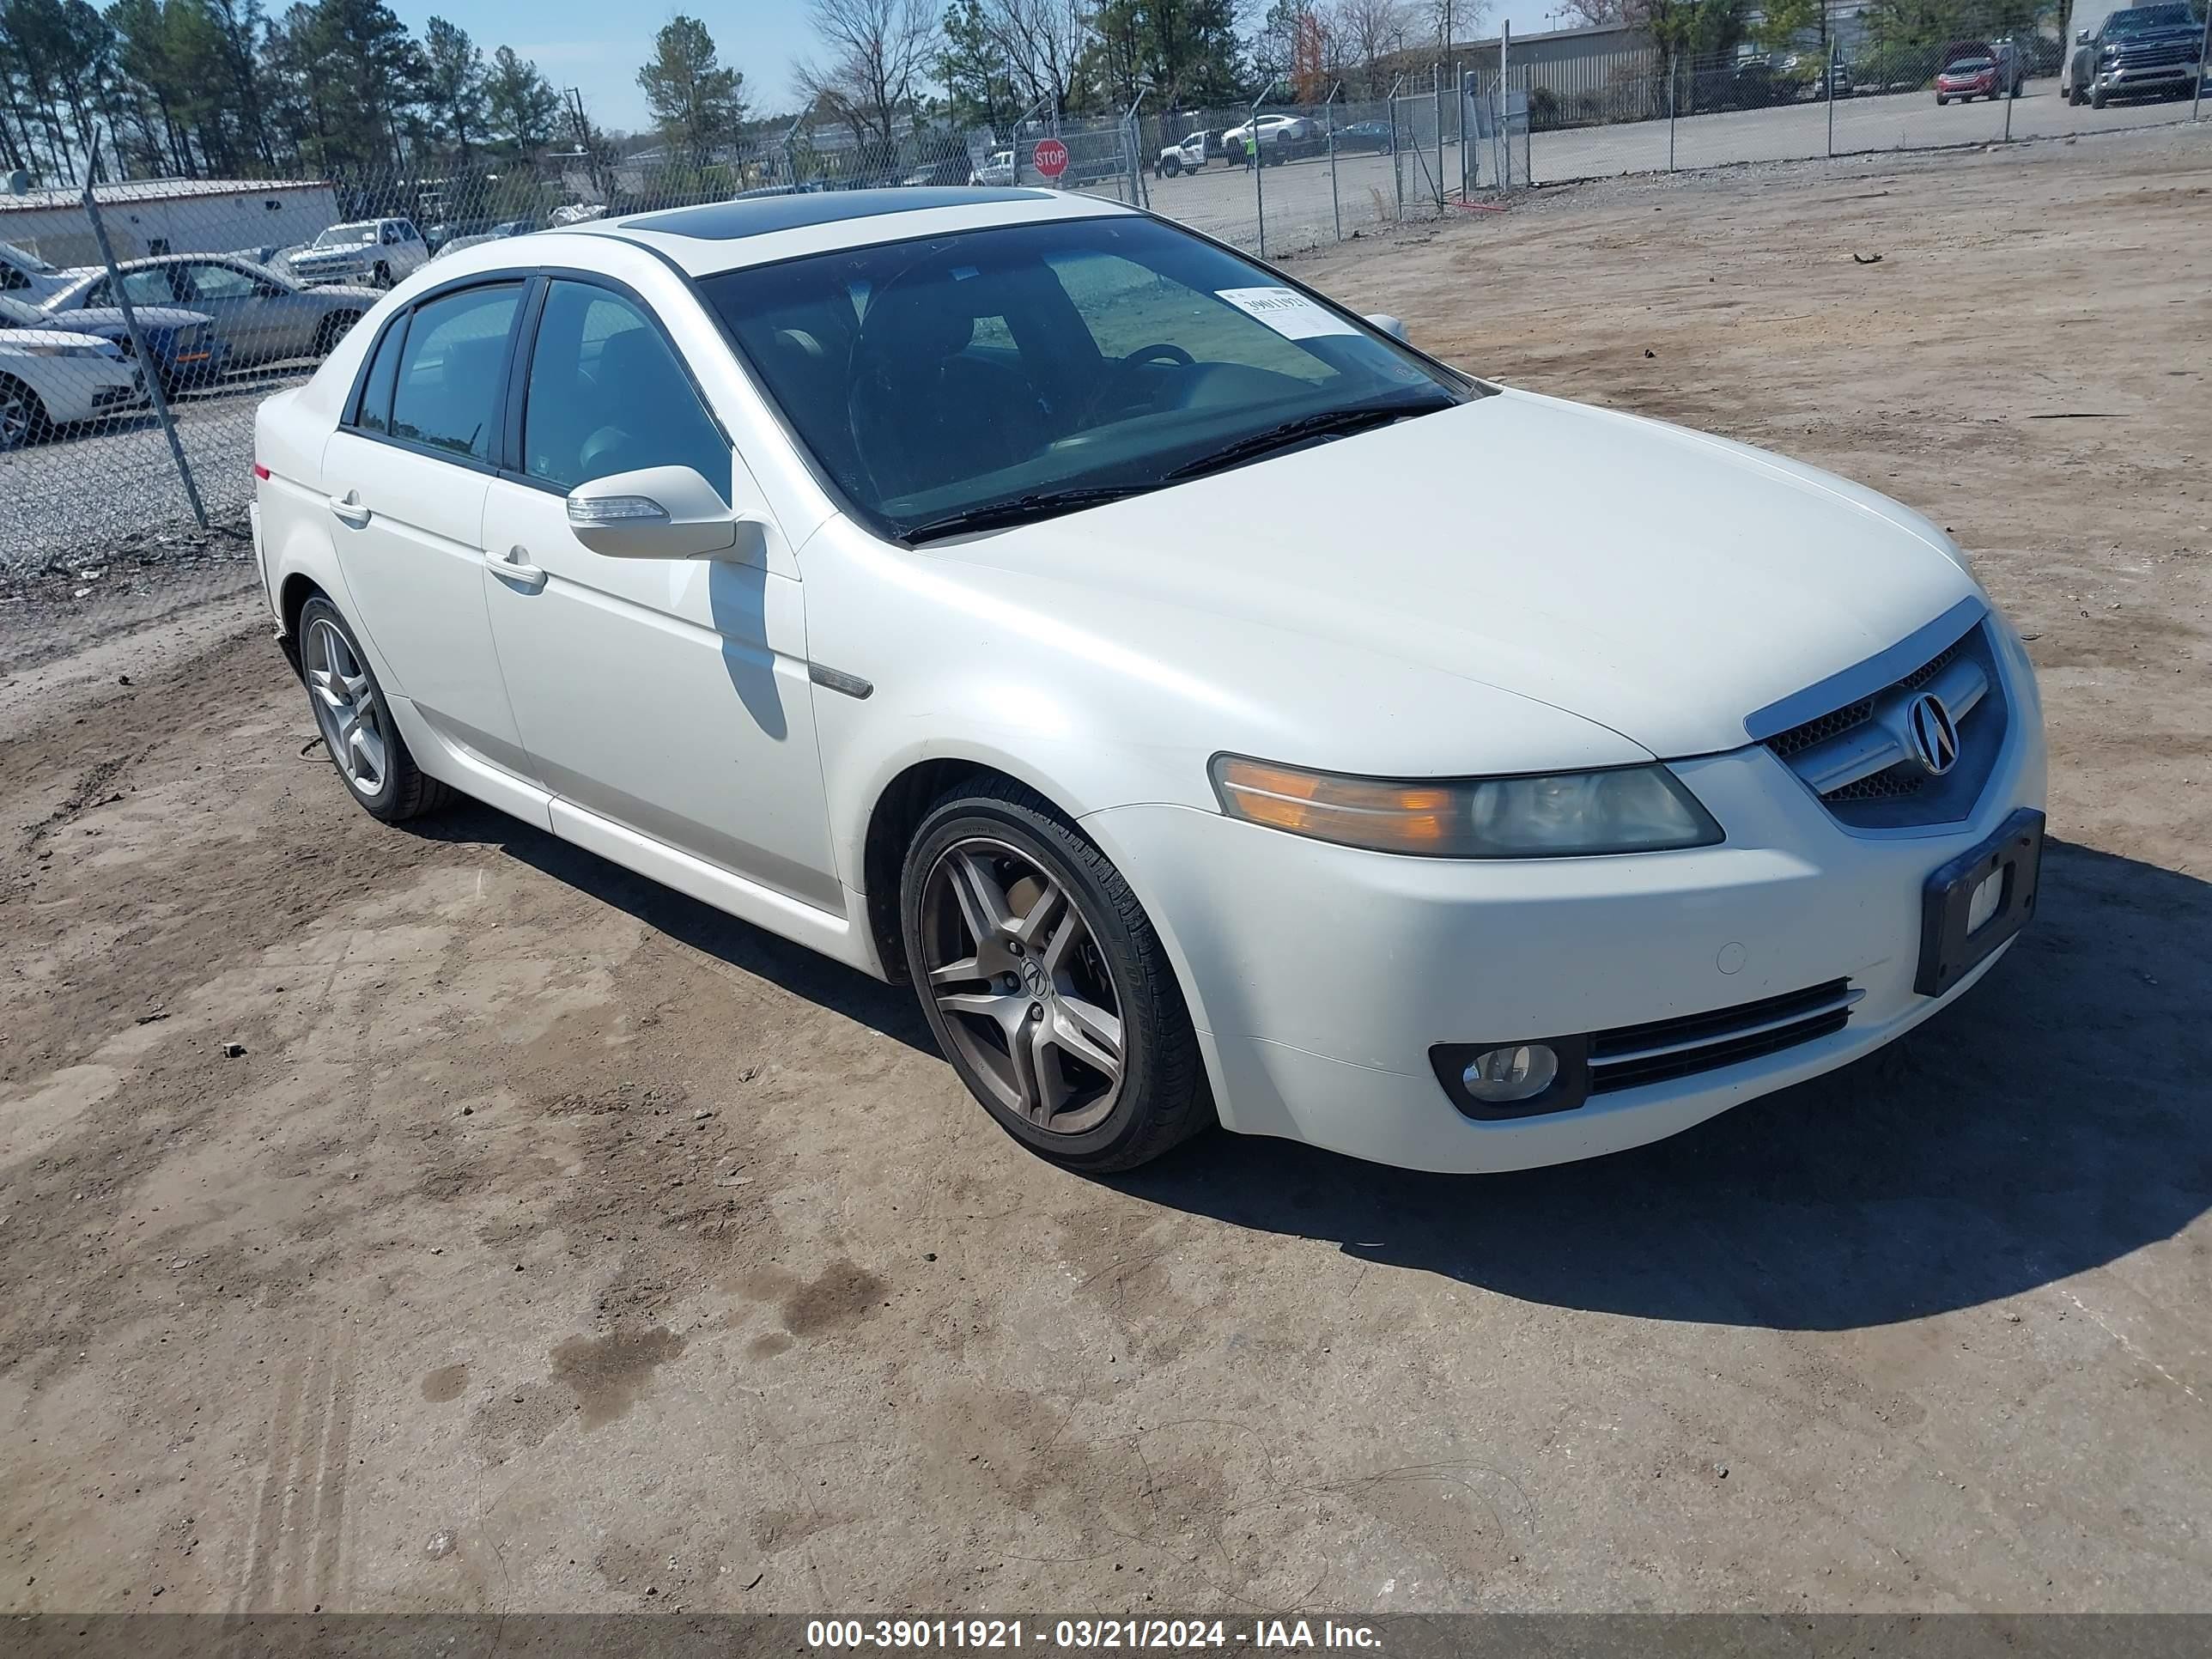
(447, 393)
(1002, 369)
(221, 282)
(607, 395)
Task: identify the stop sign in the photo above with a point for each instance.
(1050, 156)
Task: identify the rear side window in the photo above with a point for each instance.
(447, 392)
(374, 412)
(608, 395)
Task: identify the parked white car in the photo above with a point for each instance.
(24, 275)
(1279, 134)
(369, 252)
(50, 378)
(1143, 689)
(998, 170)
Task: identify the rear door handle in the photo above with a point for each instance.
(349, 509)
(515, 567)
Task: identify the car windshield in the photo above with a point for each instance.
(1028, 369)
(1969, 66)
(24, 259)
(346, 236)
(2142, 20)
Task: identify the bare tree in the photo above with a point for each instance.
(1043, 41)
(1369, 30)
(875, 54)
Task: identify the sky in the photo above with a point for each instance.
(596, 45)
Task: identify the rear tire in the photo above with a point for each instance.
(23, 420)
(363, 742)
(1032, 959)
(332, 329)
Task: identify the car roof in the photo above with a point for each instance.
(724, 235)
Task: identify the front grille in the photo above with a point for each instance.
(1658, 1051)
(1857, 758)
(2156, 57)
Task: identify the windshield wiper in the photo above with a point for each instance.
(1022, 509)
(1330, 423)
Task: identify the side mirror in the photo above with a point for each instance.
(2082, 38)
(1390, 326)
(654, 512)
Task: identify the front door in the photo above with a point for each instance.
(241, 307)
(406, 477)
(668, 695)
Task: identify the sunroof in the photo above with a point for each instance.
(723, 222)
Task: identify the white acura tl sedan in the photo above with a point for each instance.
(1213, 707)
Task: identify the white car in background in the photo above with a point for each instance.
(1280, 136)
(24, 275)
(369, 252)
(857, 563)
(50, 377)
(998, 170)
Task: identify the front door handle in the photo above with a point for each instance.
(349, 509)
(515, 567)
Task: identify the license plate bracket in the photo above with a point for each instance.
(1948, 951)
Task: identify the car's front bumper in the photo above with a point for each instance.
(2162, 77)
(322, 276)
(1321, 976)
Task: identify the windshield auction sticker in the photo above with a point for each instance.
(1290, 313)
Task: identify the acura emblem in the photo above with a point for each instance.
(1934, 739)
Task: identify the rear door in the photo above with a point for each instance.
(670, 696)
(406, 476)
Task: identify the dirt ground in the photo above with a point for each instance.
(450, 1220)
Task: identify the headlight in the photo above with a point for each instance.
(1629, 809)
(90, 349)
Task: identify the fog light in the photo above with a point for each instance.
(1502, 1075)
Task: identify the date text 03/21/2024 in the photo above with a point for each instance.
(1084, 1635)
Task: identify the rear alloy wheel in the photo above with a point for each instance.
(22, 416)
(357, 730)
(1046, 984)
(334, 328)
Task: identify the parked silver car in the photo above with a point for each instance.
(263, 316)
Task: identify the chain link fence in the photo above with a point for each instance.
(141, 323)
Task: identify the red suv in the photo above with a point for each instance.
(1969, 71)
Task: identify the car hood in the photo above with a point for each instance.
(1654, 581)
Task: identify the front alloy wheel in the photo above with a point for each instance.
(1046, 985)
(1017, 974)
(22, 417)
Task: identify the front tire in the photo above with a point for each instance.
(381, 277)
(2097, 98)
(1046, 984)
(24, 419)
(358, 731)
